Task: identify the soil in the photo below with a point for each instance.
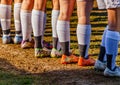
(20, 61)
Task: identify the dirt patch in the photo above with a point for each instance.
(19, 61)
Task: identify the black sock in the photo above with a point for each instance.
(55, 42)
(6, 32)
(18, 32)
(102, 54)
(109, 61)
(82, 49)
(38, 43)
(65, 48)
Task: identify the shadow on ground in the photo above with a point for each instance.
(80, 76)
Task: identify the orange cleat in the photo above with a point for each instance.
(86, 62)
(69, 59)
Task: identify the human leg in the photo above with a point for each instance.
(17, 22)
(112, 41)
(55, 13)
(26, 9)
(5, 14)
(38, 27)
(63, 30)
(84, 8)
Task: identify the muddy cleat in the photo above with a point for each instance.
(100, 66)
(17, 39)
(114, 73)
(41, 53)
(47, 45)
(7, 40)
(27, 44)
(69, 59)
(86, 62)
(55, 53)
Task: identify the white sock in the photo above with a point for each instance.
(37, 22)
(17, 20)
(26, 24)
(44, 20)
(54, 18)
(83, 36)
(44, 25)
(55, 14)
(30, 28)
(5, 16)
(111, 45)
(63, 30)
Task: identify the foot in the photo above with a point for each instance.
(112, 73)
(42, 52)
(7, 40)
(55, 53)
(100, 66)
(69, 59)
(27, 44)
(17, 39)
(86, 62)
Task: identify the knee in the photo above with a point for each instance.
(27, 5)
(17, 1)
(56, 5)
(64, 16)
(7, 2)
(26, 2)
(84, 20)
(39, 5)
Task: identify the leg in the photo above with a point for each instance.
(63, 30)
(38, 27)
(101, 62)
(84, 8)
(112, 41)
(5, 14)
(26, 9)
(55, 13)
(17, 21)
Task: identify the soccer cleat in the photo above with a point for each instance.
(40, 53)
(114, 73)
(7, 40)
(17, 39)
(86, 62)
(69, 59)
(27, 44)
(55, 53)
(47, 45)
(100, 66)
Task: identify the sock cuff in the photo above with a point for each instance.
(17, 5)
(63, 25)
(113, 35)
(9, 20)
(63, 22)
(25, 12)
(4, 5)
(84, 29)
(37, 12)
(55, 12)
